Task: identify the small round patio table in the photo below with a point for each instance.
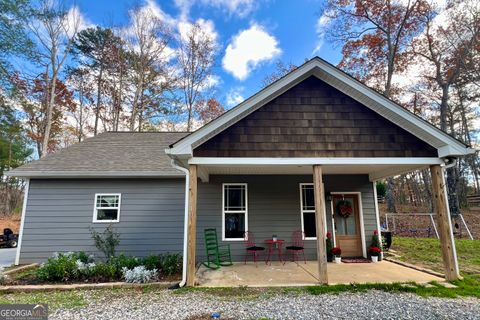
(274, 246)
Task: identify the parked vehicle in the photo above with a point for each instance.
(8, 239)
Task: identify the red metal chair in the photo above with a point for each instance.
(297, 245)
(251, 248)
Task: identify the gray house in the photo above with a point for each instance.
(291, 157)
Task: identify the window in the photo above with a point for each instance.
(235, 213)
(307, 208)
(107, 208)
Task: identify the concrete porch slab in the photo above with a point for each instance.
(293, 274)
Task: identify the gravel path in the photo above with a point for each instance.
(369, 305)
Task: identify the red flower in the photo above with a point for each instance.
(336, 251)
(375, 232)
(374, 249)
(329, 235)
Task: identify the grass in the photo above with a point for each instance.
(426, 252)
(54, 299)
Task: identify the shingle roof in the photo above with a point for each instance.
(134, 154)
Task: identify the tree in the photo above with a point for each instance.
(450, 49)
(196, 58)
(14, 151)
(53, 29)
(148, 59)
(93, 48)
(208, 110)
(13, 38)
(375, 36)
(281, 69)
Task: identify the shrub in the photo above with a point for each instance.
(152, 262)
(122, 261)
(105, 271)
(139, 275)
(60, 267)
(107, 241)
(170, 263)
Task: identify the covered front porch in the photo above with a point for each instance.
(293, 274)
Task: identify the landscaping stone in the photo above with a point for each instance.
(167, 304)
(447, 285)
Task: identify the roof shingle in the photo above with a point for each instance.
(109, 154)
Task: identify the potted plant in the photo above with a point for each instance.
(337, 252)
(329, 246)
(376, 243)
(374, 253)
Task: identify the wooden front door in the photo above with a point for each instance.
(346, 213)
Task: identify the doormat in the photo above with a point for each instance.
(355, 260)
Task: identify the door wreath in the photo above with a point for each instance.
(344, 208)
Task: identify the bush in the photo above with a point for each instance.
(139, 275)
(107, 241)
(122, 261)
(152, 262)
(60, 267)
(105, 271)
(170, 263)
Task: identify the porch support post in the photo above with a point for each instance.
(192, 225)
(320, 224)
(447, 242)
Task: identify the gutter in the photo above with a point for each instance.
(185, 223)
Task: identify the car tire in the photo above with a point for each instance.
(12, 244)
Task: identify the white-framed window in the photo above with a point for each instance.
(234, 211)
(107, 207)
(307, 211)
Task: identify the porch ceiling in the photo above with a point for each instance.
(374, 171)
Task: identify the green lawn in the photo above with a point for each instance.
(426, 252)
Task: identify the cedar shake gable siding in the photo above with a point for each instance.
(314, 119)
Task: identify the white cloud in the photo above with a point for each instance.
(234, 97)
(249, 48)
(206, 25)
(240, 8)
(322, 23)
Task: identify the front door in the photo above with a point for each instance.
(347, 224)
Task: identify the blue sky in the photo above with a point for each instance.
(251, 34)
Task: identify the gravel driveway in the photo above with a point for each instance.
(369, 305)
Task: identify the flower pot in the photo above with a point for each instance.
(338, 259)
(374, 259)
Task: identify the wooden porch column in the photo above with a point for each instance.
(320, 224)
(447, 241)
(192, 225)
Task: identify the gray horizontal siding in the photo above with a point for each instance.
(274, 207)
(60, 212)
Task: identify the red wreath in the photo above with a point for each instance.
(344, 209)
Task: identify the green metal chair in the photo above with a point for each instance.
(217, 256)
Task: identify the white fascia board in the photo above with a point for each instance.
(83, 174)
(450, 150)
(393, 172)
(221, 161)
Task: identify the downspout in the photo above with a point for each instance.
(185, 224)
(449, 162)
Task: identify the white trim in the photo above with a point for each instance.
(310, 211)
(245, 212)
(362, 222)
(377, 214)
(312, 161)
(90, 174)
(333, 223)
(95, 208)
(22, 223)
(339, 80)
(304, 211)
